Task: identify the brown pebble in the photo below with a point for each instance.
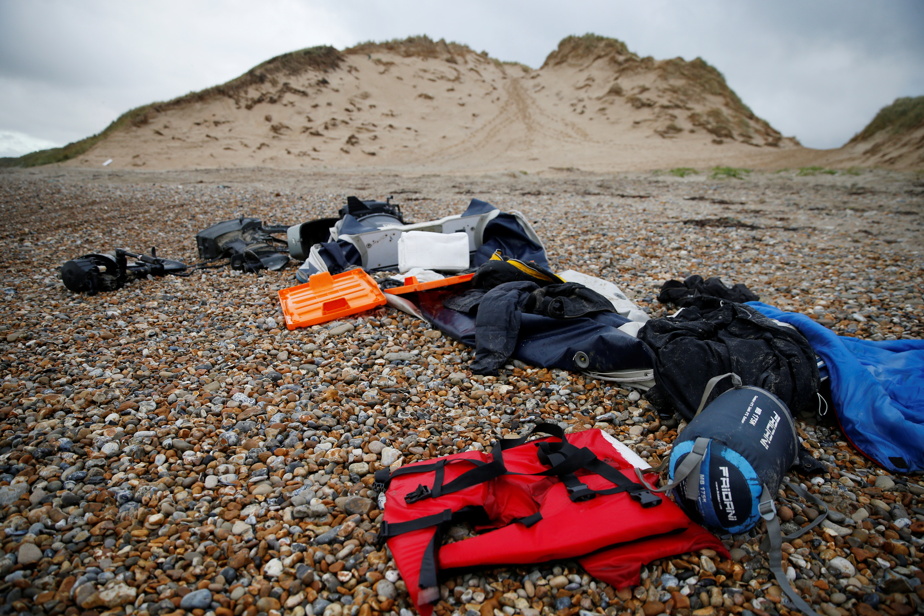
(680, 600)
(865, 609)
(239, 560)
(265, 604)
(487, 608)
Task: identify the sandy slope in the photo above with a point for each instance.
(442, 108)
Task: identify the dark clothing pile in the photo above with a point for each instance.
(710, 337)
(682, 293)
(499, 313)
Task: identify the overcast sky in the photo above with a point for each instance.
(817, 70)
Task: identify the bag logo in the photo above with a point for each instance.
(770, 430)
(725, 495)
(752, 414)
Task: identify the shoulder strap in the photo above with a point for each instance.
(774, 535)
(710, 385)
(689, 467)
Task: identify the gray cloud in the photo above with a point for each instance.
(818, 71)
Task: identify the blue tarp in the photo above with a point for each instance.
(877, 389)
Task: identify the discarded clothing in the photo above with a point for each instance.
(499, 316)
(711, 337)
(560, 497)
(373, 245)
(497, 325)
(620, 301)
(679, 293)
(500, 269)
(601, 344)
(567, 301)
(877, 389)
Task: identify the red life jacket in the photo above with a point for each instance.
(541, 500)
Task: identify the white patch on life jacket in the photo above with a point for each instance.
(627, 454)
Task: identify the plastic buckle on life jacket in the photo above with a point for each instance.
(580, 493)
(645, 498)
(382, 477)
(419, 494)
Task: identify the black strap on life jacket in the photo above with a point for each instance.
(566, 459)
(428, 569)
(481, 473)
(428, 577)
(392, 529)
(562, 458)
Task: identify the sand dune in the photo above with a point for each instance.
(435, 107)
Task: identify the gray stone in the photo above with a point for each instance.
(327, 537)
(181, 445)
(343, 328)
(85, 595)
(197, 600)
(838, 597)
(241, 527)
(110, 449)
(884, 482)
(273, 568)
(28, 554)
(359, 468)
(390, 455)
(843, 566)
(385, 589)
(835, 528)
(10, 494)
(357, 504)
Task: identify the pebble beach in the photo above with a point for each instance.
(171, 448)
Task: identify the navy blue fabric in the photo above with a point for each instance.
(497, 325)
(340, 256)
(877, 390)
(548, 342)
(505, 233)
(552, 343)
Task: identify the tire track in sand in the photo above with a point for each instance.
(521, 125)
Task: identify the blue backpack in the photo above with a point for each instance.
(729, 462)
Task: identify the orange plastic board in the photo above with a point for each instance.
(411, 285)
(327, 297)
